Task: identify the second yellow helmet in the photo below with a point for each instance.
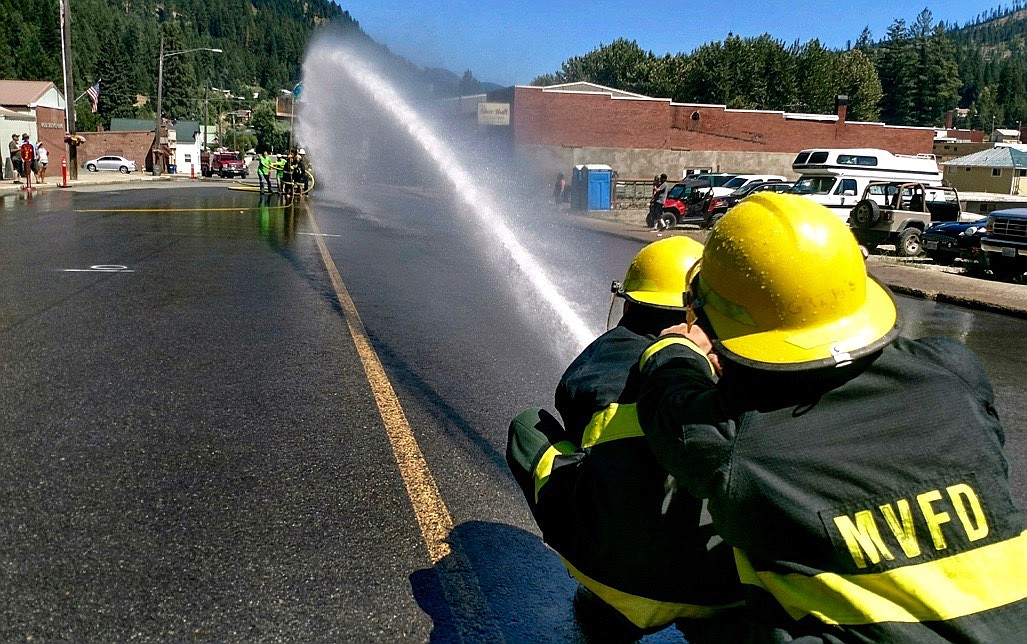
(658, 275)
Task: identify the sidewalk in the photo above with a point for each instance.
(86, 178)
(908, 277)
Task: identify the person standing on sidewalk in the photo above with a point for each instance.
(860, 476)
(14, 152)
(42, 159)
(625, 530)
(654, 221)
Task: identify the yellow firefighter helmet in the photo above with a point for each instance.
(784, 286)
(658, 275)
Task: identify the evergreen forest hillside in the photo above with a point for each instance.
(913, 74)
(119, 41)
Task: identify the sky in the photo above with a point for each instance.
(510, 42)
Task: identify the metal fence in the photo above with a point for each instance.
(632, 193)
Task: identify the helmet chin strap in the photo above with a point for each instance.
(690, 297)
(616, 288)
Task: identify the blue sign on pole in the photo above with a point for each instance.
(296, 91)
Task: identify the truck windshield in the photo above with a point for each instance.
(229, 157)
(814, 185)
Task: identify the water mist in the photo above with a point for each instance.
(343, 77)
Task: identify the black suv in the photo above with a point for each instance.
(720, 205)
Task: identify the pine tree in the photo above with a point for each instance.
(179, 76)
(860, 83)
(469, 85)
(116, 95)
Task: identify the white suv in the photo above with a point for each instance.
(743, 180)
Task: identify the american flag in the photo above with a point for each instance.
(94, 96)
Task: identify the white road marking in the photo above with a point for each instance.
(101, 268)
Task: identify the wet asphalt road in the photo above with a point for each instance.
(192, 449)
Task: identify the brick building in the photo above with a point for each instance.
(134, 145)
(560, 126)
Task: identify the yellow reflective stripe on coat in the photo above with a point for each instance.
(663, 343)
(957, 586)
(641, 611)
(612, 423)
(545, 464)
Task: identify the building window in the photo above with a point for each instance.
(188, 158)
(1021, 173)
(967, 168)
(996, 172)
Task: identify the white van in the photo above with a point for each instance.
(836, 177)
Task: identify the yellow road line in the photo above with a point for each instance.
(475, 620)
(175, 209)
(432, 515)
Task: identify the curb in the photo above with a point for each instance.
(958, 300)
(912, 281)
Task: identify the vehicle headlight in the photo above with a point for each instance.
(969, 231)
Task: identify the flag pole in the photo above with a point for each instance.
(69, 83)
(64, 73)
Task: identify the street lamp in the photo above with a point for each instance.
(160, 91)
(293, 97)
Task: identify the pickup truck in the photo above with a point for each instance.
(897, 212)
(223, 164)
(1005, 242)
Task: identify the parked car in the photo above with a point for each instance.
(742, 180)
(720, 205)
(121, 164)
(946, 242)
(711, 179)
(1005, 242)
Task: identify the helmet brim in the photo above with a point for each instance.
(657, 300)
(867, 330)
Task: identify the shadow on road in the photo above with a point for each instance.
(499, 583)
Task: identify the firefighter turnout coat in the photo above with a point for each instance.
(865, 503)
(623, 528)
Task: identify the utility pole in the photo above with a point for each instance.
(157, 163)
(206, 114)
(69, 83)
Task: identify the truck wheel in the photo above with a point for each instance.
(867, 213)
(668, 220)
(908, 244)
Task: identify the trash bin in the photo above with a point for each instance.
(173, 169)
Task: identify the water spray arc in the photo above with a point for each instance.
(404, 115)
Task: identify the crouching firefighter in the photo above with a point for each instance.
(624, 529)
(855, 516)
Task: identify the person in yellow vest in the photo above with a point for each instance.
(624, 529)
(264, 163)
(859, 475)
